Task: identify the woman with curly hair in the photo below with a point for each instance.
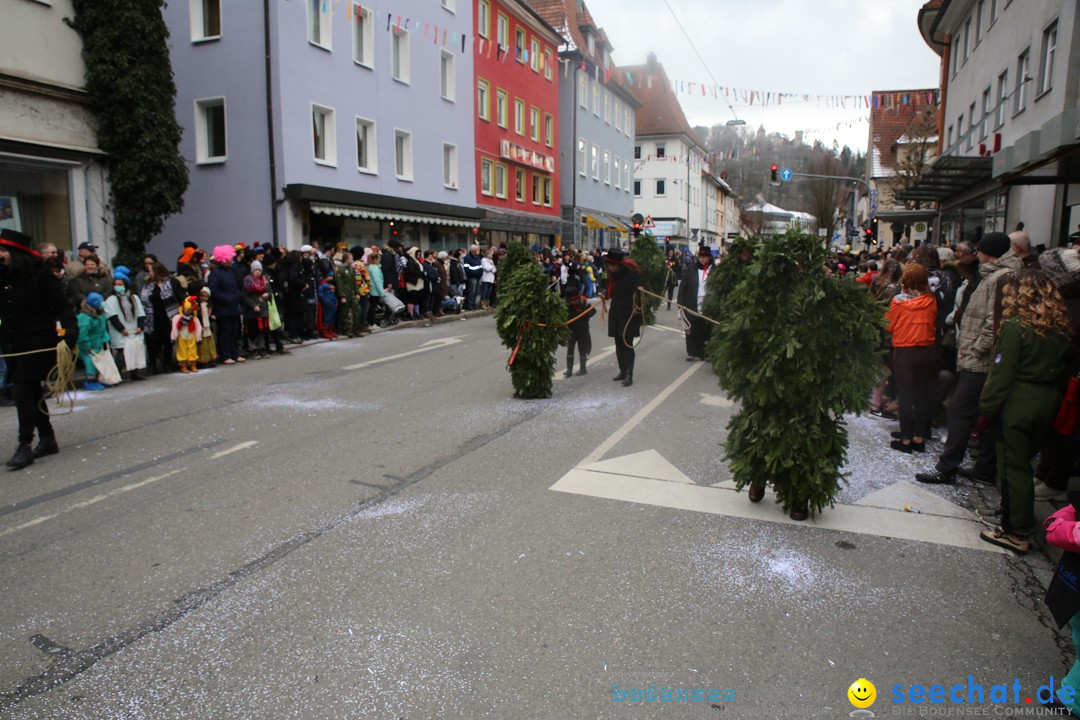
(1022, 394)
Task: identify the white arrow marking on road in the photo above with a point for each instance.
(429, 345)
(641, 478)
(92, 501)
(234, 448)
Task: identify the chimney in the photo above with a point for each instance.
(651, 61)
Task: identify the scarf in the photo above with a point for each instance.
(188, 318)
(255, 284)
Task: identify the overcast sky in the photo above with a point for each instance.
(814, 47)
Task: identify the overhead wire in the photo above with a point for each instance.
(694, 48)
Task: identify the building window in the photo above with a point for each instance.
(483, 100)
(595, 162)
(591, 42)
(1003, 98)
(500, 181)
(363, 35)
(581, 159)
(626, 176)
(637, 188)
(596, 98)
(618, 117)
(449, 5)
(449, 166)
(661, 188)
(583, 90)
(607, 167)
(534, 56)
(210, 133)
(661, 150)
(537, 198)
(519, 116)
(519, 44)
(979, 21)
(548, 60)
(502, 30)
(984, 126)
(366, 147)
(501, 107)
(994, 11)
(955, 54)
(548, 183)
(519, 185)
(967, 38)
(205, 19)
(618, 172)
(637, 152)
(319, 15)
(447, 76)
(487, 170)
(971, 126)
(403, 155)
(950, 135)
(534, 122)
(483, 18)
(1046, 58)
(549, 130)
(399, 55)
(607, 107)
(1023, 65)
(323, 135)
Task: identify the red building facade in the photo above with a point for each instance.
(517, 133)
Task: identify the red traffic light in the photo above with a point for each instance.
(772, 169)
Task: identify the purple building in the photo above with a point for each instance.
(324, 120)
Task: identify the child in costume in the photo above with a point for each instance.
(93, 336)
(579, 328)
(328, 301)
(208, 347)
(257, 311)
(186, 333)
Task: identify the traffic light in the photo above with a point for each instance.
(637, 221)
(868, 235)
(873, 229)
(772, 169)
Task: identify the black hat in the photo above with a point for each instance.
(88, 246)
(704, 250)
(615, 255)
(16, 239)
(192, 245)
(394, 243)
(572, 291)
(994, 244)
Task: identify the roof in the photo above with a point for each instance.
(660, 112)
(571, 18)
(946, 176)
(889, 124)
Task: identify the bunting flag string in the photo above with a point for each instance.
(900, 101)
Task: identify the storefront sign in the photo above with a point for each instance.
(524, 155)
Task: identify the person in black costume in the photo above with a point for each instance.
(692, 295)
(624, 322)
(32, 300)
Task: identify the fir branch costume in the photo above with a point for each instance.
(530, 319)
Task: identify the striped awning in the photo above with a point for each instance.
(376, 214)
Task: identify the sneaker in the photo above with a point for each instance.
(94, 386)
(939, 477)
(241, 359)
(1046, 493)
(229, 361)
(999, 537)
(901, 446)
(968, 473)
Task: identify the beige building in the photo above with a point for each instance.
(53, 178)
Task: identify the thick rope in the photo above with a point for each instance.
(60, 382)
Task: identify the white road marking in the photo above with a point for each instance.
(87, 503)
(234, 448)
(640, 415)
(429, 345)
(874, 515)
(716, 400)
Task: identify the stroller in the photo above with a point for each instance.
(388, 311)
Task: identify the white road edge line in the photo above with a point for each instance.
(92, 501)
(234, 448)
(641, 414)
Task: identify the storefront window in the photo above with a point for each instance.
(994, 220)
(34, 200)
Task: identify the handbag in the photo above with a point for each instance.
(1065, 422)
(274, 315)
(108, 373)
(135, 352)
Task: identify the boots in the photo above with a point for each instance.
(582, 371)
(191, 367)
(23, 456)
(569, 366)
(629, 379)
(46, 446)
(183, 367)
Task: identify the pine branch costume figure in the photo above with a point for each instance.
(530, 319)
(797, 348)
(516, 255)
(650, 261)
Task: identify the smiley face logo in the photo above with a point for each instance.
(862, 693)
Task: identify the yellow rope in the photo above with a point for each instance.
(681, 307)
(60, 383)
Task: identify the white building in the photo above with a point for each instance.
(53, 177)
(1009, 120)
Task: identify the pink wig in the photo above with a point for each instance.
(224, 254)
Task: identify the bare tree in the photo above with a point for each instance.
(915, 150)
(824, 195)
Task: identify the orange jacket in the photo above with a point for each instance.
(912, 320)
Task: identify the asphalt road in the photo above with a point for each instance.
(375, 528)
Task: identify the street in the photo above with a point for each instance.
(375, 528)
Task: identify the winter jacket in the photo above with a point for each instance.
(345, 282)
(487, 270)
(472, 266)
(224, 292)
(1023, 356)
(377, 283)
(93, 335)
(79, 287)
(912, 320)
(976, 338)
(1062, 530)
(457, 272)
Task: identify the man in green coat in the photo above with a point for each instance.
(348, 319)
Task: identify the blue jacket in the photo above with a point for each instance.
(224, 292)
(473, 268)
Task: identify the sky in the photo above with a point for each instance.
(806, 47)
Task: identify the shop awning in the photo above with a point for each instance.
(599, 221)
(905, 216)
(374, 214)
(946, 176)
(516, 221)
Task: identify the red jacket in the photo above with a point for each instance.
(912, 320)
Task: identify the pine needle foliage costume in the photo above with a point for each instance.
(650, 260)
(516, 255)
(529, 318)
(797, 348)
